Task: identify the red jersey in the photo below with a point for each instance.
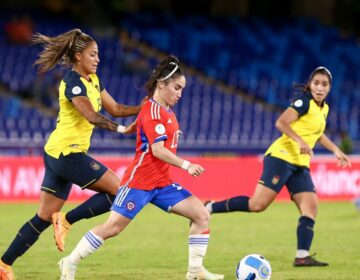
(154, 123)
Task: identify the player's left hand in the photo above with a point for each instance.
(343, 160)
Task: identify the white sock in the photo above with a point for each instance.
(197, 249)
(302, 253)
(88, 244)
(208, 206)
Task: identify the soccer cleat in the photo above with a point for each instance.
(204, 274)
(6, 272)
(208, 205)
(67, 269)
(61, 229)
(308, 261)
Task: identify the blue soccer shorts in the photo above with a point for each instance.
(130, 201)
(277, 173)
(77, 168)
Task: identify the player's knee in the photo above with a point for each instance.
(202, 218)
(257, 207)
(310, 211)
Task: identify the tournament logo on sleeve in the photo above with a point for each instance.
(160, 129)
(298, 103)
(76, 90)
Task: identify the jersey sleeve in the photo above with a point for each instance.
(101, 86)
(301, 104)
(75, 88)
(152, 125)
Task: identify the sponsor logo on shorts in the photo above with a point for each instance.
(94, 165)
(275, 179)
(130, 205)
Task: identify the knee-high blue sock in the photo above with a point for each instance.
(305, 233)
(25, 238)
(237, 203)
(98, 204)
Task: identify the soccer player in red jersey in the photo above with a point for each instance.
(147, 179)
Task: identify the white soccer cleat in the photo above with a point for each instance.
(67, 269)
(204, 274)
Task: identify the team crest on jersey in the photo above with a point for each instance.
(94, 165)
(160, 129)
(76, 90)
(97, 87)
(130, 205)
(275, 179)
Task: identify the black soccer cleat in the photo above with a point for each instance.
(308, 261)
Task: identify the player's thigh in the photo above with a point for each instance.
(191, 208)
(113, 226)
(108, 183)
(262, 198)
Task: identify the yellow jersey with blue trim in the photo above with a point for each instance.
(73, 132)
(309, 126)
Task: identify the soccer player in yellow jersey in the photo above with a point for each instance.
(287, 161)
(81, 96)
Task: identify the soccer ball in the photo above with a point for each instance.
(253, 267)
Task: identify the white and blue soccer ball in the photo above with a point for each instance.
(253, 267)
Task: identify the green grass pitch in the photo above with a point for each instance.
(154, 246)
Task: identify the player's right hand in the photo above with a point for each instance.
(195, 170)
(305, 148)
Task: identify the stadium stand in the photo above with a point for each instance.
(250, 56)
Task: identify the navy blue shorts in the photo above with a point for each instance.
(75, 168)
(277, 173)
(130, 201)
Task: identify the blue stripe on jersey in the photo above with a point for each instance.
(144, 140)
(96, 243)
(160, 138)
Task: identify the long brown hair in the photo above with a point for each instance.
(167, 69)
(60, 49)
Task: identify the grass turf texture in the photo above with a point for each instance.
(154, 246)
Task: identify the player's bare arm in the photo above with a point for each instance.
(84, 106)
(119, 110)
(283, 124)
(164, 154)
